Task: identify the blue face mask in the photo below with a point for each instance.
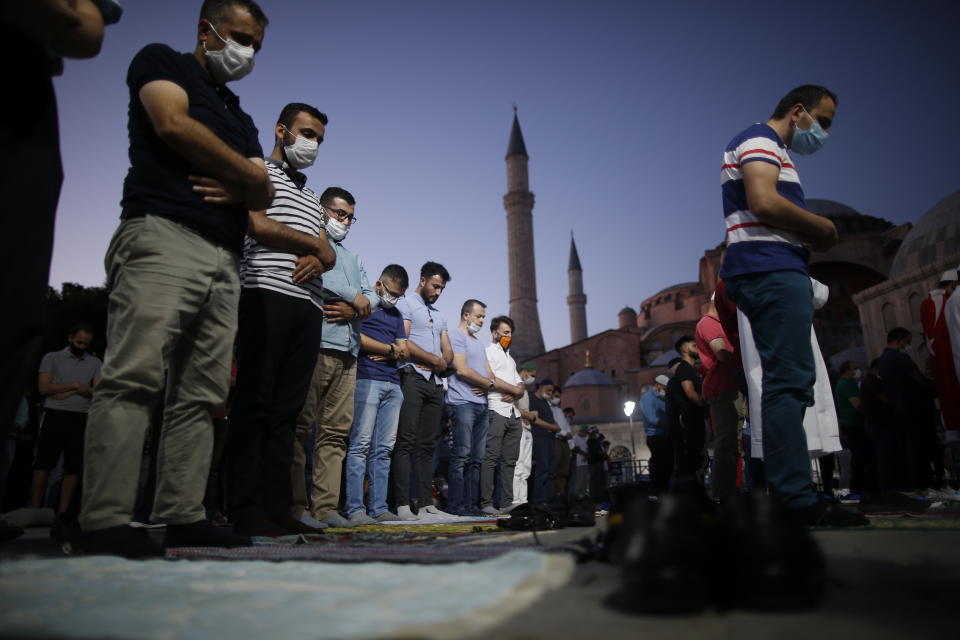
(806, 141)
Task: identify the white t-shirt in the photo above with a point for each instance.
(503, 367)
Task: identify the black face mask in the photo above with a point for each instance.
(77, 352)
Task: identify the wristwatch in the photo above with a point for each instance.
(393, 353)
(490, 388)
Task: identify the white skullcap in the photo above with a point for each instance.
(662, 379)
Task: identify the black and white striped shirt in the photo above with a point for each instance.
(270, 268)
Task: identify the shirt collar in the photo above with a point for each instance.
(70, 353)
(295, 176)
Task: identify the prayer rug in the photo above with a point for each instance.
(105, 597)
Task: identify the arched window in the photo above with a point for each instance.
(889, 316)
(585, 403)
(914, 302)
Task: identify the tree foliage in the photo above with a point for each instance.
(73, 304)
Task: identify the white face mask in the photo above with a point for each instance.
(555, 402)
(857, 374)
(387, 301)
(231, 63)
(302, 153)
(528, 380)
(336, 229)
(473, 327)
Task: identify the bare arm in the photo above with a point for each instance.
(514, 390)
(276, 234)
(771, 208)
(370, 345)
(719, 347)
(691, 392)
(72, 28)
(466, 373)
(166, 105)
(446, 348)
(46, 387)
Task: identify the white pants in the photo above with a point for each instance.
(522, 471)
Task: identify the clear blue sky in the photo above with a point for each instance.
(625, 108)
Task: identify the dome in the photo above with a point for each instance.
(627, 311)
(934, 237)
(847, 219)
(589, 377)
(664, 358)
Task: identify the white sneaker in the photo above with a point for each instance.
(431, 513)
(404, 513)
(310, 521)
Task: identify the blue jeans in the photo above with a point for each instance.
(544, 460)
(779, 305)
(470, 423)
(376, 413)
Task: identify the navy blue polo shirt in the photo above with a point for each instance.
(157, 180)
(386, 326)
(542, 407)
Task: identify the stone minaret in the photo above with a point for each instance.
(527, 339)
(577, 300)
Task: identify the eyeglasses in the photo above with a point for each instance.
(342, 215)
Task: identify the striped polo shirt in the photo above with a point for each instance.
(752, 246)
(270, 268)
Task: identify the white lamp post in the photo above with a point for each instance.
(628, 407)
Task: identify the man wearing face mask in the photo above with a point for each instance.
(66, 379)
(280, 324)
(466, 403)
(348, 299)
(769, 234)
(377, 401)
(504, 432)
(196, 170)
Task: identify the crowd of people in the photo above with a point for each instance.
(242, 324)
(230, 278)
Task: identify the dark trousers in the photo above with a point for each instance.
(278, 340)
(502, 450)
(562, 469)
(419, 428)
(213, 499)
(690, 448)
(544, 461)
(863, 462)
(661, 461)
(30, 178)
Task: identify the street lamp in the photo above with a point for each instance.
(628, 407)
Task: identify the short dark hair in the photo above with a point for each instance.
(682, 341)
(216, 10)
(86, 327)
(430, 269)
(289, 113)
(569, 410)
(326, 198)
(847, 365)
(897, 334)
(809, 95)
(396, 273)
(499, 320)
(468, 306)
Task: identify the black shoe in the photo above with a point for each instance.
(768, 561)
(259, 527)
(123, 541)
(9, 532)
(623, 497)
(668, 558)
(65, 528)
(291, 526)
(202, 534)
(822, 514)
(891, 502)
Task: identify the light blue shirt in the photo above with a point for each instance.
(653, 408)
(460, 391)
(344, 282)
(426, 327)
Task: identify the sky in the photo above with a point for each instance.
(625, 108)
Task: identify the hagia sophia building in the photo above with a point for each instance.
(878, 275)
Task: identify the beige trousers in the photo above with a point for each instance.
(329, 404)
(173, 311)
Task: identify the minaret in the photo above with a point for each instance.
(577, 300)
(527, 339)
